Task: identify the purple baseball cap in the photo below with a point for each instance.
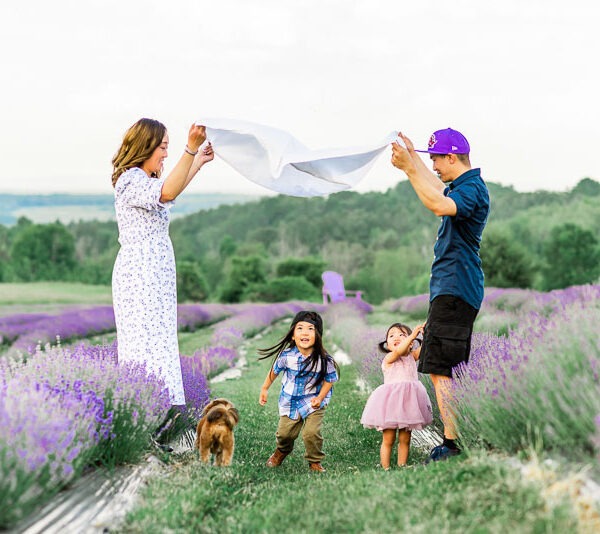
(447, 141)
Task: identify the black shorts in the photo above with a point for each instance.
(447, 335)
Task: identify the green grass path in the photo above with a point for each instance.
(473, 494)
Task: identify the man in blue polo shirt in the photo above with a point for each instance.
(458, 195)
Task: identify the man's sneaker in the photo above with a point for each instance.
(441, 452)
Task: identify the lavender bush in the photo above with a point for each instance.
(252, 318)
(26, 331)
(538, 384)
(61, 409)
(415, 307)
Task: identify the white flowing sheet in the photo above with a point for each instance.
(276, 160)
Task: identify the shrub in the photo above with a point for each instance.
(283, 289)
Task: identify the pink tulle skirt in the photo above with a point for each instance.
(398, 405)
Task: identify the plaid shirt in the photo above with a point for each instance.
(297, 391)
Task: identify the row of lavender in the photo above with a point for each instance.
(64, 409)
(533, 379)
(26, 330)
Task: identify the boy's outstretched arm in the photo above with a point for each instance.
(264, 391)
(315, 402)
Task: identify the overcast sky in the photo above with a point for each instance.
(520, 78)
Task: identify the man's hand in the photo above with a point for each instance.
(402, 158)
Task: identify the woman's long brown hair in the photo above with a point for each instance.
(139, 142)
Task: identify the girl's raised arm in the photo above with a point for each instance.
(403, 349)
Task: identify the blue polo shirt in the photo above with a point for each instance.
(456, 268)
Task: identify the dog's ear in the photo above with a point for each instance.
(216, 413)
(234, 414)
(213, 403)
(208, 407)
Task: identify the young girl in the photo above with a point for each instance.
(401, 403)
(308, 376)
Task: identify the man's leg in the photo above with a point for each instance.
(443, 395)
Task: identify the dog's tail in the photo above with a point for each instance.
(230, 416)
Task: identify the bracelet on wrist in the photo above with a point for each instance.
(190, 152)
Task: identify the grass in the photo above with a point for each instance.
(190, 342)
(465, 494)
(50, 296)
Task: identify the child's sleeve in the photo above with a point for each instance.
(331, 375)
(280, 364)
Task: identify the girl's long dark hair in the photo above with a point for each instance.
(311, 364)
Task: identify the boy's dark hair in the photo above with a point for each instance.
(383, 345)
(319, 353)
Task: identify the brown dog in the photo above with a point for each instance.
(214, 434)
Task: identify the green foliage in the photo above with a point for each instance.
(191, 284)
(361, 236)
(505, 262)
(587, 188)
(283, 289)
(572, 257)
(308, 268)
(43, 252)
(394, 273)
(227, 247)
(244, 272)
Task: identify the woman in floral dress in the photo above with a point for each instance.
(144, 281)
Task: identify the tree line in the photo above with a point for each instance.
(276, 248)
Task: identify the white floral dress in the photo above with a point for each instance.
(144, 282)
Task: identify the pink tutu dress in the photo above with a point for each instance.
(401, 401)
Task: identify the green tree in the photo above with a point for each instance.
(244, 271)
(309, 268)
(283, 289)
(587, 187)
(394, 274)
(227, 247)
(505, 262)
(191, 284)
(43, 252)
(572, 257)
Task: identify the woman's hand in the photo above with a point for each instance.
(205, 155)
(196, 136)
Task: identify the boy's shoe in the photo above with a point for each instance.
(316, 466)
(441, 452)
(276, 459)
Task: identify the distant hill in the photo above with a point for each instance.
(69, 208)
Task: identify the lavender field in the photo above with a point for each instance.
(532, 383)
